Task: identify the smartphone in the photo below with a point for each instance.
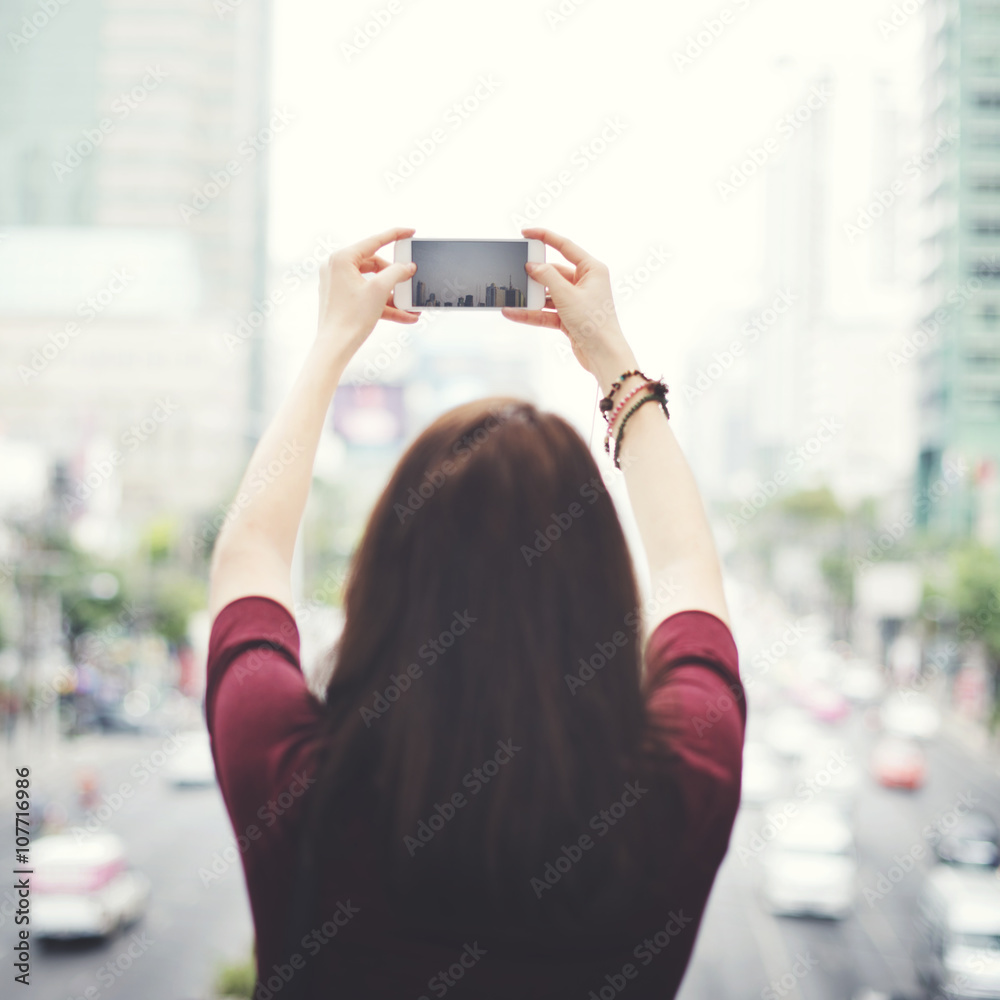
(469, 274)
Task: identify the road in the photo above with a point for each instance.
(190, 926)
(194, 923)
(743, 952)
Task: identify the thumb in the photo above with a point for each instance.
(391, 276)
(546, 274)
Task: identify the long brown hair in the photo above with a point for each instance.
(491, 603)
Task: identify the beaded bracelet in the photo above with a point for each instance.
(619, 409)
(659, 394)
(608, 402)
(610, 418)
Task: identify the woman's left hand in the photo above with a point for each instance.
(349, 303)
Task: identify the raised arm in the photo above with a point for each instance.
(668, 508)
(253, 553)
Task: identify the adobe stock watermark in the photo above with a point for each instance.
(777, 818)
(122, 106)
(101, 640)
(88, 310)
(560, 13)
(954, 471)
(246, 152)
(289, 281)
(601, 823)
(427, 145)
(434, 479)
(365, 32)
(38, 21)
(446, 979)
(801, 967)
(269, 813)
(755, 156)
(644, 952)
(723, 361)
(796, 459)
(103, 469)
(903, 864)
(378, 362)
(95, 818)
(625, 287)
(430, 652)
(883, 199)
(604, 652)
(109, 972)
(313, 942)
(475, 780)
(930, 328)
(587, 153)
(712, 29)
(718, 709)
(258, 479)
(562, 521)
(770, 656)
(898, 16)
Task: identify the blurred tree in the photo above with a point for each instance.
(173, 599)
(813, 505)
(160, 538)
(975, 597)
(92, 594)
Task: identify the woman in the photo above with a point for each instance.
(499, 794)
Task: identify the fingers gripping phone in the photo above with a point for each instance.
(469, 274)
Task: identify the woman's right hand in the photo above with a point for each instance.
(578, 302)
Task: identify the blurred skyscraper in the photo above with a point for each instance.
(787, 393)
(133, 205)
(960, 324)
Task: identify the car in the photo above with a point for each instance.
(192, 764)
(911, 715)
(822, 701)
(958, 919)
(810, 867)
(973, 840)
(861, 682)
(790, 732)
(898, 763)
(84, 887)
(828, 770)
(764, 774)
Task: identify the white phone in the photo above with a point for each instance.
(477, 274)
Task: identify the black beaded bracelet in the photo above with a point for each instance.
(609, 400)
(659, 394)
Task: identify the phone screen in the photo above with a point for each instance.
(478, 274)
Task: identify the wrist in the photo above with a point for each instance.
(612, 369)
(612, 359)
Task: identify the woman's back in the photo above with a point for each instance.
(362, 936)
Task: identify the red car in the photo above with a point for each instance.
(899, 763)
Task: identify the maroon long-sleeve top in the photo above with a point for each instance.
(264, 724)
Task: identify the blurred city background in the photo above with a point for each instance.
(800, 207)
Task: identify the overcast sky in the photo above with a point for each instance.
(463, 120)
(464, 268)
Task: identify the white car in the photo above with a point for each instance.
(192, 763)
(911, 715)
(765, 775)
(790, 732)
(861, 683)
(810, 867)
(959, 919)
(84, 888)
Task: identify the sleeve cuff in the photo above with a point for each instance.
(247, 623)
